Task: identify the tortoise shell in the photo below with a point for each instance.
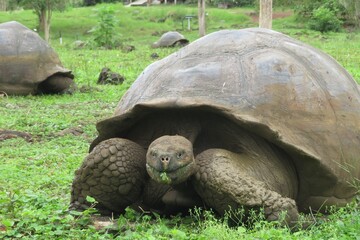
(170, 39)
(26, 60)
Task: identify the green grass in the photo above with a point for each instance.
(35, 178)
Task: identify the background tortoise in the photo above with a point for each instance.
(28, 65)
(271, 122)
(170, 39)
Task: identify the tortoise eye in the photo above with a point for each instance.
(153, 153)
(179, 154)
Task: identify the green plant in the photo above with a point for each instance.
(325, 20)
(104, 33)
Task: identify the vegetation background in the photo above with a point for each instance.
(35, 177)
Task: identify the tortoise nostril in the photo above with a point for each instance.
(165, 159)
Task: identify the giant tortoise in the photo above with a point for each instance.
(239, 118)
(170, 39)
(28, 65)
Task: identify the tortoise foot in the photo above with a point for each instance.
(113, 173)
(278, 208)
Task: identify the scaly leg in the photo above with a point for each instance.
(223, 182)
(113, 173)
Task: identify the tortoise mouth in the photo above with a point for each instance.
(172, 177)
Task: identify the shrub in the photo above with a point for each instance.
(323, 19)
(306, 9)
(104, 34)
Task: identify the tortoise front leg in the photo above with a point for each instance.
(223, 182)
(113, 173)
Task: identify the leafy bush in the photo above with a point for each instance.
(325, 20)
(305, 9)
(104, 32)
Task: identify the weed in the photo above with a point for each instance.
(104, 32)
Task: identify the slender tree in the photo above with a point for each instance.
(43, 9)
(3, 5)
(353, 8)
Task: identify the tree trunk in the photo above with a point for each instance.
(357, 13)
(201, 15)
(265, 18)
(46, 20)
(3, 5)
(353, 9)
(42, 19)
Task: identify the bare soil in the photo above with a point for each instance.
(255, 16)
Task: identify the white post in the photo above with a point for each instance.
(265, 18)
(201, 13)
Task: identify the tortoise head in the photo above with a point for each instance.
(170, 159)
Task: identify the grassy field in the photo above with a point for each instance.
(35, 177)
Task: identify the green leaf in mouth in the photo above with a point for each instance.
(164, 177)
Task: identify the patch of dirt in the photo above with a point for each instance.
(101, 223)
(8, 134)
(276, 15)
(88, 89)
(3, 94)
(76, 131)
